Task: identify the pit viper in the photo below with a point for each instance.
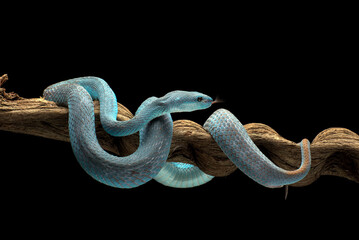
(155, 126)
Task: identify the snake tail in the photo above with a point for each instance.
(233, 139)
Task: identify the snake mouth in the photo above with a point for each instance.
(208, 101)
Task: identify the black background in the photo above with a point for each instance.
(295, 71)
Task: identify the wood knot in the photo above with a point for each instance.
(3, 94)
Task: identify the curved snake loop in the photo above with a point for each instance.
(154, 123)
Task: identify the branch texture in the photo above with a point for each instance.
(335, 151)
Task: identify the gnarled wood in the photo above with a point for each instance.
(335, 151)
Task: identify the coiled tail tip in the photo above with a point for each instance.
(306, 156)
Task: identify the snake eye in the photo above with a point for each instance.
(199, 99)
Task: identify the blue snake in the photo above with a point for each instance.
(155, 126)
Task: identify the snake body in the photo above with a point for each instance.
(154, 123)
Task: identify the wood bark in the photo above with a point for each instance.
(334, 151)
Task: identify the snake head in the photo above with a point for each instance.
(185, 101)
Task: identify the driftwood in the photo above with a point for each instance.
(335, 151)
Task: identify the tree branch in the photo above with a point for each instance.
(335, 151)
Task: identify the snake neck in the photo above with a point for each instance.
(151, 110)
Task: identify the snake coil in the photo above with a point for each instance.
(154, 123)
